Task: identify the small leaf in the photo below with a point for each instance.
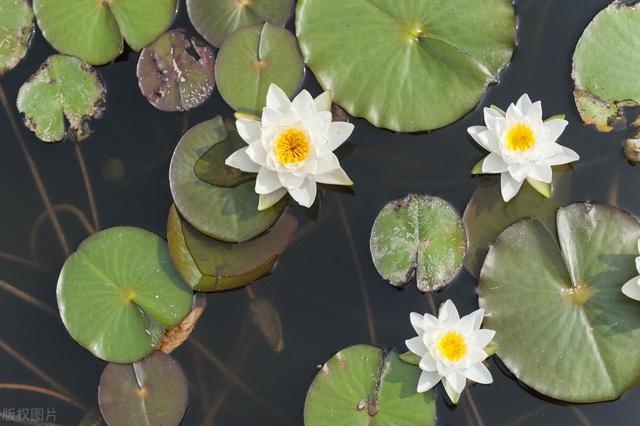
(16, 28)
(543, 188)
(497, 108)
(556, 117)
(410, 358)
(477, 168)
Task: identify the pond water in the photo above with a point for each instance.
(325, 288)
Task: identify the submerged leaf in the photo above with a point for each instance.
(266, 318)
(16, 27)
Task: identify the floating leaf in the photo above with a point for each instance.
(605, 66)
(418, 233)
(253, 58)
(487, 214)
(176, 74)
(266, 318)
(150, 392)
(177, 335)
(16, 27)
(93, 29)
(64, 89)
(207, 264)
(361, 385)
(406, 65)
(119, 292)
(227, 213)
(563, 325)
(215, 20)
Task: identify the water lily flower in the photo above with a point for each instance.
(451, 349)
(632, 287)
(521, 145)
(291, 148)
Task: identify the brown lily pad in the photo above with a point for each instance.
(176, 336)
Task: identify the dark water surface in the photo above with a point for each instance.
(323, 285)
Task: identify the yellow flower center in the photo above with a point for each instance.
(520, 138)
(292, 146)
(452, 346)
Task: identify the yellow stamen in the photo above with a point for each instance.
(452, 346)
(292, 146)
(520, 138)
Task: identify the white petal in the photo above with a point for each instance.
(509, 187)
(271, 117)
(520, 171)
(257, 153)
(303, 106)
(416, 345)
(566, 156)
(267, 181)
(428, 379)
(491, 117)
(290, 180)
(240, 160)
(327, 162)
(457, 381)
(533, 111)
(427, 363)
(555, 128)
(268, 200)
(479, 374)
(448, 312)
(638, 263)
(541, 172)
(319, 124)
(632, 288)
(306, 194)
(472, 321)
(476, 355)
(416, 322)
(429, 321)
(335, 177)
(323, 101)
(493, 163)
(484, 137)
(277, 99)
(339, 131)
(249, 130)
(484, 336)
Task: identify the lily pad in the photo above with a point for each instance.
(563, 325)
(418, 235)
(605, 66)
(215, 20)
(93, 29)
(150, 392)
(406, 65)
(64, 89)
(119, 292)
(176, 74)
(16, 27)
(228, 213)
(251, 59)
(207, 264)
(361, 385)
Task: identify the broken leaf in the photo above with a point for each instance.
(16, 27)
(176, 336)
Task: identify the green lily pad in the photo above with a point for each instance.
(16, 27)
(361, 385)
(251, 59)
(487, 214)
(605, 66)
(215, 20)
(563, 325)
(119, 292)
(176, 74)
(64, 89)
(207, 264)
(150, 392)
(93, 29)
(421, 236)
(406, 65)
(228, 213)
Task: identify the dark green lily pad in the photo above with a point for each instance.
(215, 20)
(63, 89)
(605, 66)
(251, 59)
(150, 392)
(563, 325)
(207, 264)
(93, 29)
(406, 65)
(16, 27)
(361, 385)
(227, 213)
(176, 74)
(119, 292)
(420, 236)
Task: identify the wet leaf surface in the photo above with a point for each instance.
(563, 325)
(420, 236)
(253, 58)
(119, 292)
(64, 92)
(361, 385)
(150, 392)
(176, 73)
(207, 264)
(16, 27)
(224, 213)
(406, 65)
(215, 20)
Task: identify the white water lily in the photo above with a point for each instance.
(521, 145)
(632, 287)
(291, 148)
(451, 349)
